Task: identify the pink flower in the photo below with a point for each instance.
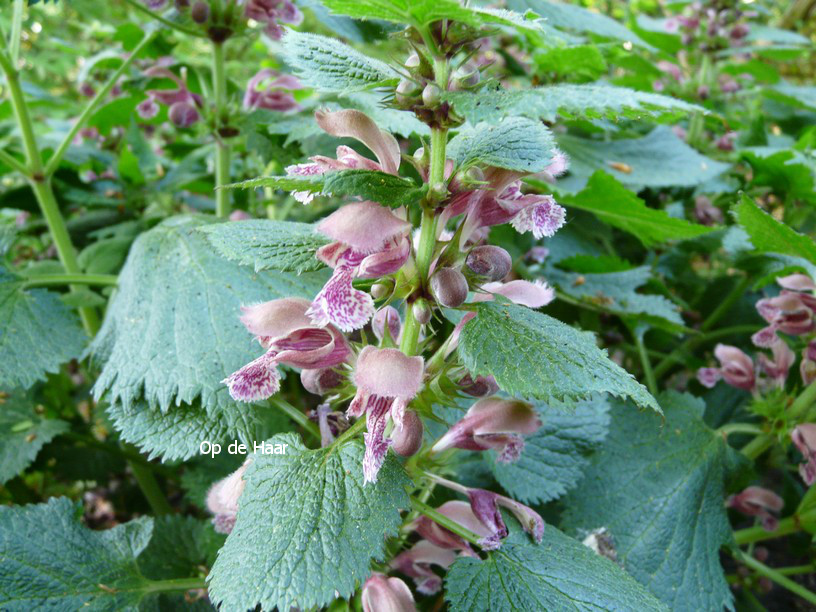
(777, 367)
(283, 329)
(797, 282)
(276, 93)
(349, 124)
(388, 318)
(804, 437)
(492, 423)
(533, 294)
(222, 499)
(273, 12)
(386, 381)
(370, 241)
(416, 562)
(787, 313)
(439, 536)
(756, 501)
(384, 594)
(183, 104)
(736, 368)
(807, 368)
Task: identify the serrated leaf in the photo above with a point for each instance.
(787, 172)
(23, 432)
(571, 100)
(515, 143)
(615, 205)
(659, 159)
(657, 486)
(770, 236)
(286, 246)
(803, 96)
(179, 547)
(38, 334)
(554, 457)
(560, 573)
(172, 333)
(578, 19)
(328, 64)
(49, 560)
(534, 356)
(306, 527)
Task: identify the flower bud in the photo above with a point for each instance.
(421, 311)
(804, 437)
(465, 77)
(407, 93)
(200, 12)
(756, 501)
(386, 317)
(320, 381)
(483, 386)
(222, 499)
(408, 438)
(449, 287)
(380, 290)
(431, 95)
(384, 594)
(491, 262)
(183, 114)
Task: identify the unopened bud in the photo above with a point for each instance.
(183, 114)
(438, 191)
(431, 95)
(320, 381)
(380, 290)
(449, 287)
(465, 77)
(421, 312)
(407, 93)
(200, 12)
(408, 439)
(490, 262)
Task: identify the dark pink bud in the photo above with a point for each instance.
(804, 437)
(449, 287)
(705, 212)
(320, 381)
(756, 501)
(200, 12)
(222, 499)
(86, 89)
(408, 438)
(386, 317)
(239, 215)
(384, 594)
(481, 387)
(183, 114)
(488, 261)
(703, 91)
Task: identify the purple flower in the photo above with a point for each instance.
(736, 368)
(283, 329)
(183, 104)
(270, 90)
(439, 536)
(384, 594)
(778, 366)
(804, 437)
(386, 381)
(492, 423)
(788, 313)
(756, 501)
(533, 294)
(273, 12)
(222, 499)
(807, 368)
(416, 562)
(370, 241)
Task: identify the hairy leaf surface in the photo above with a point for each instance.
(770, 236)
(515, 143)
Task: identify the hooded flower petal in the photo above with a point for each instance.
(256, 381)
(804, 437)
(222, 499)
(340, 304)
(778, 367)
(736, 367)
(276, 318)
(270, 90)
(797, 282)
(364, 226)
(531, 294)
(384, 594)
(756, 501)
(462, 513)
(386, 317)
(387, 261)
(312, 348)
(388, 372)
(357, 125)
(486, 505)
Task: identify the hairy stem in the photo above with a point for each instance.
(757, 533)
(410, 333)
(56, 280)
(777, 577)
(16, 31)
(222, 147)
(13, 163)
(296, 415)
(803, 401)
(150, 488)
(722, 309)
(651, 381)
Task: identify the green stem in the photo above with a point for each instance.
(757, 446)
(55, 280)
(352, 431)
(16, 31)
(427, 244)
(13, 163)
(724, 306)
(222, 148)
(796, 569)
(150, 488)
(448, 523)
(139, 6)
(175, 584)
(651, 381)
(676, 356)
(55, 160)
(748, 428)
(296, 415)
(777, 577)
(750, 535)
(803, 401)
(410, 333)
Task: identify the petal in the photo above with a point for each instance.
(485, 507)
(365, 226)
(341, 304)
(531, 294)
(258, 380)
(376, 444)
(386, 262)
(339, 255)
(388, 372)
(276, 318)
(542, 218)
(797, 282)
(357, 125)
(708, 377)
(388, 318)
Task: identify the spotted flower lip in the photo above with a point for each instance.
(383, 594)
(736, 368)
(492, 423)
(222, 499)
(804, 437)
(386, 381)
(416, 562)
(760, 502)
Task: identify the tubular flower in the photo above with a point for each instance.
(272, 13)
(788, 313)
(492, 423)
(370, 241)
(349, 124)
(416, 562)
(283, 329)
(276, 93)
(386, 381)
(804, 437)
(736, 368)
(384, 594)
(183, 104)
(756, 501)
(439, 536)
(222, 499)
(778, 366)
(533, 294)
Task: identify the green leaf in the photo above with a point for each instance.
(38, 333)
(306, 527)
(327, 64)
(23, 432)
(803, 96)
(554, 457)
(49, 560)
(286, 246)
(657, 486)
(179, 547)
(578, 61)
(372, 185)
(770, 236)
(659, 159)
(787, 172)
(532, 355)
(615, 205)
(515, 143)
(172, 333)
(560, 573)
(571, 100)
(578, 19)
